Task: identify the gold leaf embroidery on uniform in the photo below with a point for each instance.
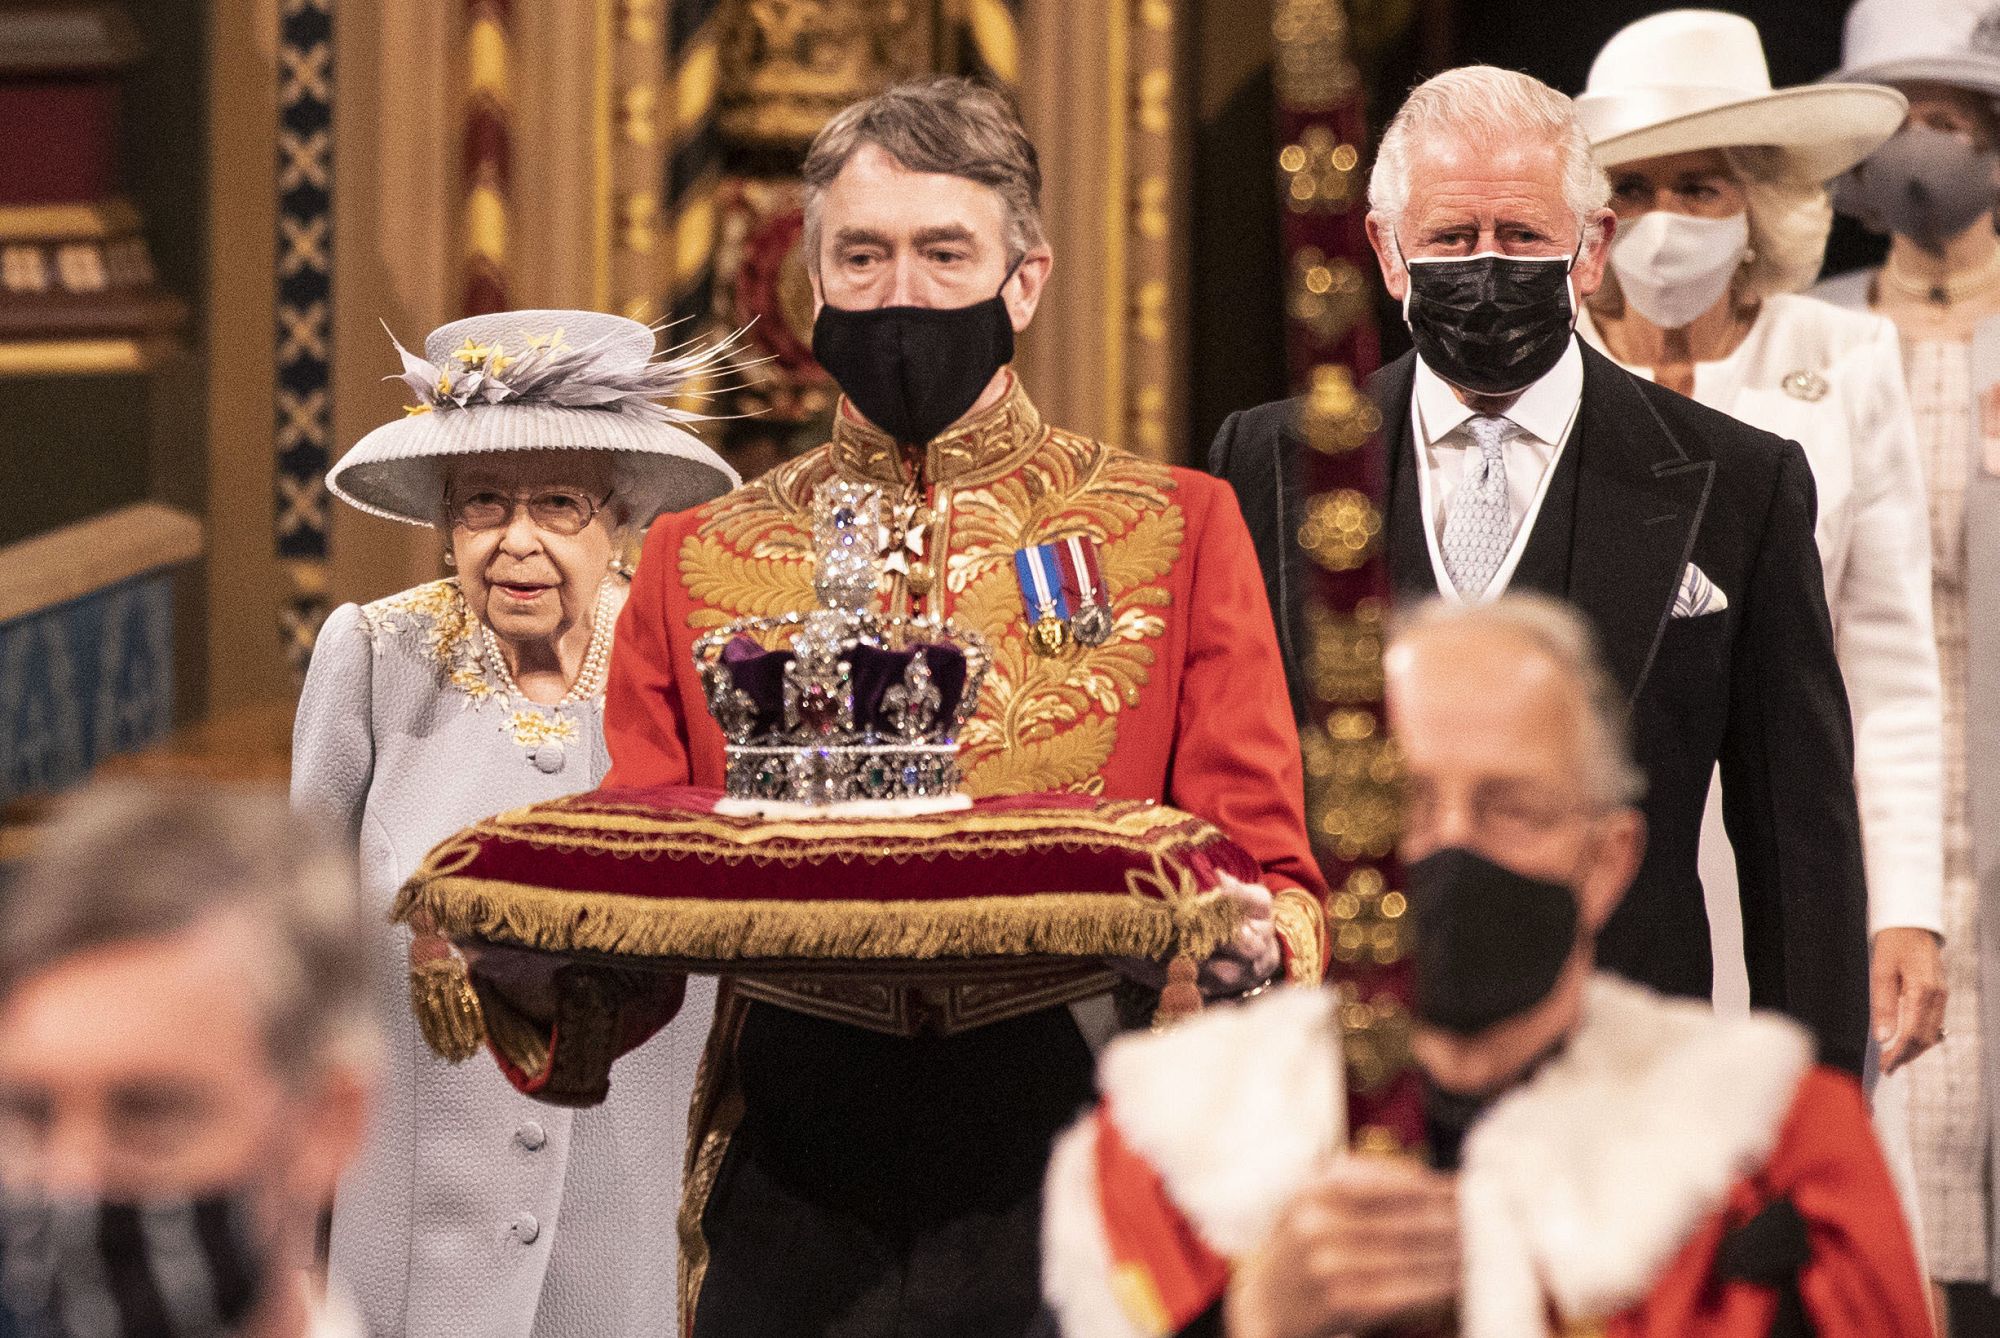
(753, 518)
(734, 585)
(751, 556)
(1070, 760)
(1051, 723)
(1042, 724)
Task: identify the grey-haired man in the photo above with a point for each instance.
(1518, 459)
(186, 1053)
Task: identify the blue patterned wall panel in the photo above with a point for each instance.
(84, 680)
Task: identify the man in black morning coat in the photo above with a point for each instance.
(1684, 536)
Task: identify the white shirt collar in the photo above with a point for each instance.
(1544, 410)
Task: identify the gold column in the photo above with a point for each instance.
(1107, 352)
(1154, 407)
(488, 156)
(632, 240)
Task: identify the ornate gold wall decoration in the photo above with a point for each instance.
(1353, 794)
(1338, 417)
(788, 65)
(1319, 171)
(1353, 773)
(1314, 69)
(1340, 529)
(1344, 654)
(1375, 1034)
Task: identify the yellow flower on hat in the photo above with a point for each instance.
(470, 354)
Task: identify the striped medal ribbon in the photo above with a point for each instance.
(1040, 575)
(1090, 620)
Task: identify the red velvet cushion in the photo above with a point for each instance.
(660, 875)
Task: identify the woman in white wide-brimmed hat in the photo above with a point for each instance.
(1933, 188)
(535, 440)
(1718, 182)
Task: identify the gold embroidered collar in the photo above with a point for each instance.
(976, 450)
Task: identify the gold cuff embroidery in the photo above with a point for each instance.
(1301, 927)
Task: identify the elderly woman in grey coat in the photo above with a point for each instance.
(536, 438)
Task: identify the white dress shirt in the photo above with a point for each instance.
(1543, 418)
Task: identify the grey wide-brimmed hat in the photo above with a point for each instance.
(1691, 79)
(1954, 42)
(540, 381)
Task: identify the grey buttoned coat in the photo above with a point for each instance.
(474, 1209)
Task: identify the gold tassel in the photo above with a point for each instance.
(447, 1010)
(1181, 999)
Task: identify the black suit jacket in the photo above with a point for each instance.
(1649, 482)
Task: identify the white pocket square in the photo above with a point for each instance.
(1698, 595)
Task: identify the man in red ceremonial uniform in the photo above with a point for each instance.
(1604, 1160)
(868, 1159)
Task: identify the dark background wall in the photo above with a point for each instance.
(81, 445)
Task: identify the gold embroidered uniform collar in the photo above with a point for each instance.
(976, 450)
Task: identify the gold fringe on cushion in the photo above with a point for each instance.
(584, 823)
(1062, 924)
(447, 1010)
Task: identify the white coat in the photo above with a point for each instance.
(1832, 380)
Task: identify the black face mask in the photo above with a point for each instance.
(914, 371)
(170, 1268)
(1490, 324)
(1490, 943)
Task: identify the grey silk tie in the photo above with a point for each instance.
(1479, 529)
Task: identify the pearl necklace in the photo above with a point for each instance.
(1945, 289)
(596, 657)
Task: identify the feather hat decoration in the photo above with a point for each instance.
(539, 381)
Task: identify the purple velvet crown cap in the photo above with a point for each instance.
(760, 674)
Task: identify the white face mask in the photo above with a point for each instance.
(1673, 267)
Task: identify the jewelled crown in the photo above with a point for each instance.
(839, 705)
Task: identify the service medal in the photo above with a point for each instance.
(1043, 600)
(1091, 626)
(1090, 620)
(1049, 635)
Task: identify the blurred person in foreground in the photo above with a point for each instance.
(1603, 1159)
(1932, 188)
(186, 1056)
(535, 443)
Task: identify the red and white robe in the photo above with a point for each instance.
(1593, 1198)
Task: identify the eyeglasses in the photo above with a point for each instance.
(562, 511)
